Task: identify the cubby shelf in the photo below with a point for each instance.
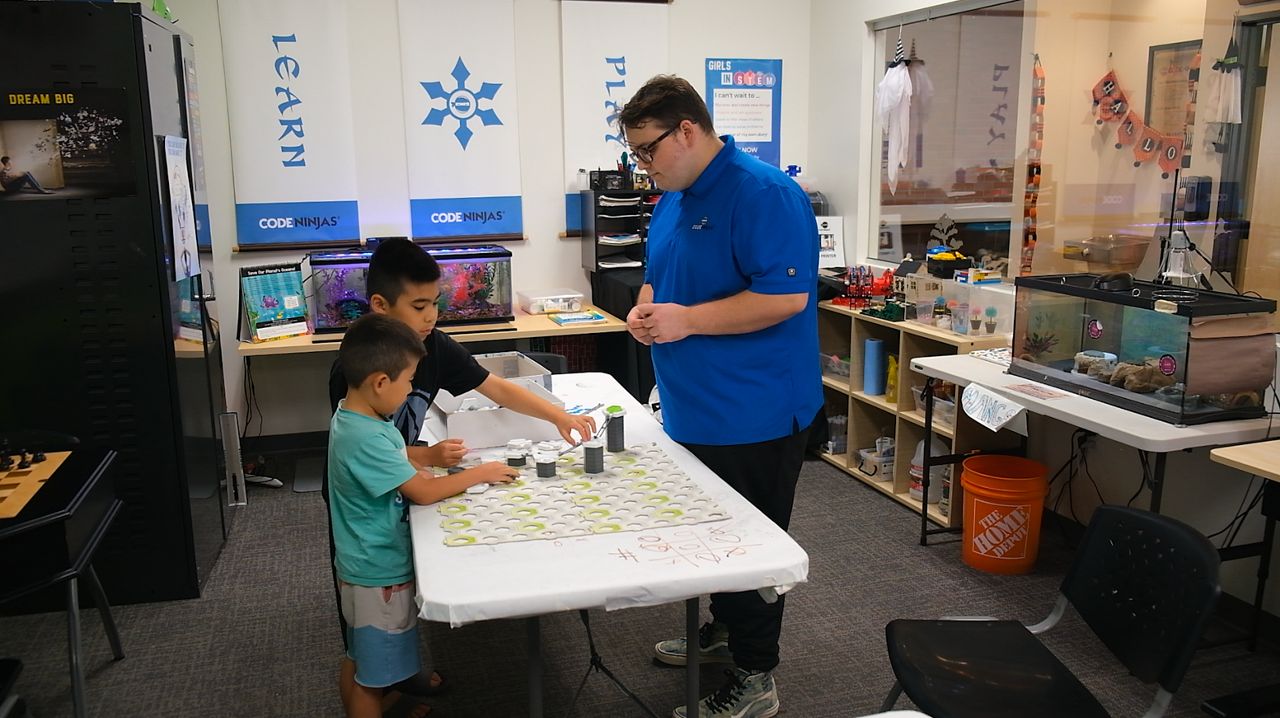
(842, 331)
(916, 417)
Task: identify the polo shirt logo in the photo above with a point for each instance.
(703, 223)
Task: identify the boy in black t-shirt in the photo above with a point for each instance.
(404, 284)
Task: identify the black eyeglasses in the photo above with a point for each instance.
(644, 153)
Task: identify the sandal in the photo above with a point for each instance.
(420, 687)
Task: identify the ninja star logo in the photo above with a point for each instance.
(462, 104)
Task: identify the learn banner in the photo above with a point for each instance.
(461, 129)
(602, 66)
(745, 99)
(289, 102)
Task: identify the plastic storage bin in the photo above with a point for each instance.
(875, 465)
(834, 366)
(838, 429)
(546, 301)
(944, 410)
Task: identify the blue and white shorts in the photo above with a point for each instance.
(382, 632)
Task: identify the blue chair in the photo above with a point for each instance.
(1145, 584)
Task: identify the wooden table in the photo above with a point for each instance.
(1260, 459)
(525, 326)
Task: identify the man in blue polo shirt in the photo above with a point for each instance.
(729, 306)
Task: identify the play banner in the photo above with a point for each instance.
(289, 101)
(603, 64)
(461, 131)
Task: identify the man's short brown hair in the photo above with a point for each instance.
(666, 100)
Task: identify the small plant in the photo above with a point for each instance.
(1038, 344)
(991, 313)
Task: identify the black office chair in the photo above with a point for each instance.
(1146, 584)
(554, 363)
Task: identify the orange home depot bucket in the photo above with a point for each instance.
(1003, 503)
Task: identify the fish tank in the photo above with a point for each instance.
(1181, 355)
(475, 283)
(475, 286)
(338, 289)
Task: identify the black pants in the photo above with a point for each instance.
(765, 474)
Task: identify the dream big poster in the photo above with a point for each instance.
(64, 143)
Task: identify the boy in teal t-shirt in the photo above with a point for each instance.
(371, 484)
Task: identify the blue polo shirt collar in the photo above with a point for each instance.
(702, 186)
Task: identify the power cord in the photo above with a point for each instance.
(1233, 526)
(1146, 477)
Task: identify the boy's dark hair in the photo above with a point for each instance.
(4, 160)
(395, 262)
(667, 100)
(377, 344)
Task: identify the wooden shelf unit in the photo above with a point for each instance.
(843, 332)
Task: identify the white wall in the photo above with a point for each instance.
(291, 389)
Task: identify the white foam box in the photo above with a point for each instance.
(546, 301)
(482, 424)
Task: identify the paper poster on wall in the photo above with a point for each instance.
(602, 65)
(292, 138)
(204, 237)
(461, 130)
(186, 255)
(745, 99)
(64, 143)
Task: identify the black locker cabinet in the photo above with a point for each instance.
(90, 336)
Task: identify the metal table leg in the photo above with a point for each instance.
(104, 610)
(73, 647)
(535, 666)
(693, 653)
(1157, 482)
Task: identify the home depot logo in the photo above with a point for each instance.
(1002, 531)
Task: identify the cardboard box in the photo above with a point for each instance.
(482, 424)
(516, 367)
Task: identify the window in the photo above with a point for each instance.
(949, 155)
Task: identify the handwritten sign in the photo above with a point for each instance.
(992, 410)
(693, 546)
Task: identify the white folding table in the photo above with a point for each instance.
(1120, 425)
(463, 584)
(1126, 427)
